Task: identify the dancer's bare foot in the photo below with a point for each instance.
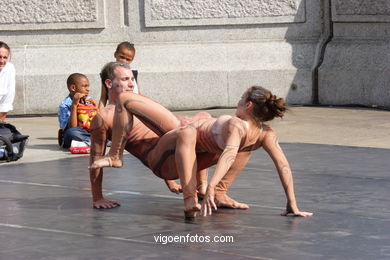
(106, 162)
(191, 208)
(105, 204)
(224, 201)
(173, 186)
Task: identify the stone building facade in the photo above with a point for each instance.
(194, 54)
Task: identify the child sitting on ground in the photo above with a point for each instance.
(76, 112)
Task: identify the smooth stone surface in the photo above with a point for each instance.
(46, 210)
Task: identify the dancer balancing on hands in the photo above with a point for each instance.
(142, 142)
(231, 139)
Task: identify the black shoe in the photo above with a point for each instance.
(18, 138)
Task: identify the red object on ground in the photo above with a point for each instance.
(78, 150)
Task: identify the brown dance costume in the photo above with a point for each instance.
(206, 140)
(142, 144)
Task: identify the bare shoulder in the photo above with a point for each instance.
(237, 125)
(226, 122)
(231, 120)
(270, 137)
(268, 130)
(234, 119)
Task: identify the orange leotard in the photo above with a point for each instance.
(143, 140)
(205, 141)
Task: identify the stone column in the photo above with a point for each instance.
(356, 68)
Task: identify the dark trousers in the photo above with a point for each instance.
(78, 134)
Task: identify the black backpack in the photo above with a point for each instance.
(12, 142)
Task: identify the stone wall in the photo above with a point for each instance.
(195, 54)
(356, 68)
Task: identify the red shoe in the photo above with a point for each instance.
(80, 150)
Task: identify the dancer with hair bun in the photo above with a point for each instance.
(231, 139)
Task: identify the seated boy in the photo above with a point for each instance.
(76, 111)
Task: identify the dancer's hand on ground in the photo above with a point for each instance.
(105, 204)
(173, 186)
(296, 212)
(208, 203)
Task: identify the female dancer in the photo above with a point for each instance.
(228, 138)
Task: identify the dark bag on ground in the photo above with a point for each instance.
(12, 142)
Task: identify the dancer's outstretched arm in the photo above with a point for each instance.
(227, 158)
(222, 200)
(98, 145)
(271, 145)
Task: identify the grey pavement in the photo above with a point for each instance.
(340, 161)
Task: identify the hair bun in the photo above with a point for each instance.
(267, 105)
(270, 99)
(276, 105)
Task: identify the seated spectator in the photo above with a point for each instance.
(7, 81)
(76, 112)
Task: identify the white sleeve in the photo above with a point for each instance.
(135, 90)
(9, 87)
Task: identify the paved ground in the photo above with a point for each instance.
(340, 158)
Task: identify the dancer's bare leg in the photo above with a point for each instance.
(222, 200)
(156, 117)
(185, 157)
(202, 182)
(202, 174)
(174, 157)
(152, 114)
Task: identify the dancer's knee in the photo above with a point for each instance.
(187, 134)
